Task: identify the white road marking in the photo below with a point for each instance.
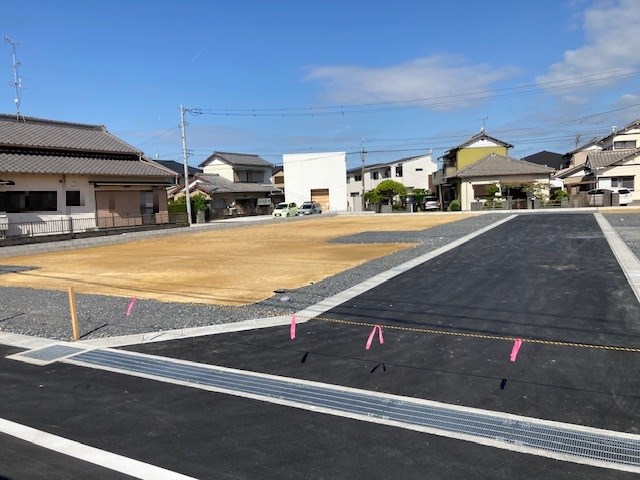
(627, 260)
(78, 450)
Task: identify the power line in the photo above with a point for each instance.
(159, 135)
(438, 101)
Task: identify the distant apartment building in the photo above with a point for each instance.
(413, 172)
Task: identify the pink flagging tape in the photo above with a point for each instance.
(516, 348)
(132, 302)
(292, 329)
(372, 334)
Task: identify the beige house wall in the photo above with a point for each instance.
(216, 167)
(466, 186)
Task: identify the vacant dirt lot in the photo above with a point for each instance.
(234, 266)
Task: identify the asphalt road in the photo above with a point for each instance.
(547, 277)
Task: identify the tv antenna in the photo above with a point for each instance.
(17, 83)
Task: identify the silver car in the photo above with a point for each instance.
(309, 208)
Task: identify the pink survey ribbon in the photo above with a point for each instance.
(372, 334)
(132, 302)
(292, 329)
(516, 348)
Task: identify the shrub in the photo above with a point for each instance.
(454, 206)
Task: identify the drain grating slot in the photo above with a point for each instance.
(48, 354)
(574, 441)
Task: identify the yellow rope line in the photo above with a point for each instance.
(483, 336)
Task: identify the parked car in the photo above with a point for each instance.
(596, 196)
(431, 203)
(285, 209)
(309, 208)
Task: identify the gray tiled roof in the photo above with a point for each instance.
(603, 158)
(494, 165)
(67, 164)
(479, 136)
(218, 184)
(40, 133)
(237, 159)
(178, 167)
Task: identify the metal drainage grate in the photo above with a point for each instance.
(46, 355)
(560, 439)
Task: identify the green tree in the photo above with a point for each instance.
(372, 197)
(199, 202)
(388, 189)
(419, 194)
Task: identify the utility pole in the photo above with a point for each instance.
(362, 171)
(186, 166)
(17, 83)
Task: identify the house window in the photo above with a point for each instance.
(20, 202)
(419, 169)
(399, 171)
(357, 177)
(375, 175)
(249, 176)
(624, 144)
(74, 199)
(622, 182)
(480, 191)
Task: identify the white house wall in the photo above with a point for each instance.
(313, 171)
(416, 172)
(628, 170)
(60, 184)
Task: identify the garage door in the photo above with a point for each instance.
(321, 195)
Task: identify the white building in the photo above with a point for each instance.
(317, 177)
(412, 172)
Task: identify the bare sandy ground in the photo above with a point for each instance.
(236, 266)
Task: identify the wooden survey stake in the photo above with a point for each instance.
(74, 315)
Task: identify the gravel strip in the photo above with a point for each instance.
(45, 313)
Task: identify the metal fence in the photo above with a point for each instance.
(72, 225)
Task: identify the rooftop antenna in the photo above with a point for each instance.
(16, 77)
(484, 122)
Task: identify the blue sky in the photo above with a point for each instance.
(274, 77)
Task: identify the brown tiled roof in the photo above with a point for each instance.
(40, 133)
(237, 159)
(494, 165)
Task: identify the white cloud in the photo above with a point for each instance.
(612, 38)
(430, 78)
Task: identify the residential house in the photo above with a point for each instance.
(53, 170)
(317, 177)
(277, 179)
(413, 172)
(227, 198)
(471, 167)
(612, 161)
(516, 180)
(178, 169)
(546, 158)
(235, 181)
